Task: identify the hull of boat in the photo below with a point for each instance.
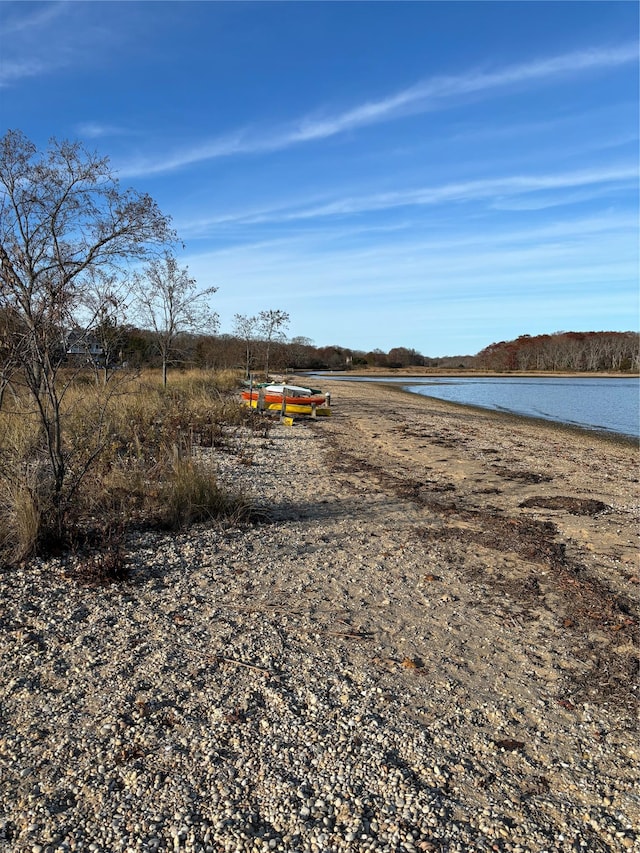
(275, 398)
(292, 408)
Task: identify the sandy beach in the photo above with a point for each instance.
(426, 640)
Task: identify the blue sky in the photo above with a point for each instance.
(431, 175)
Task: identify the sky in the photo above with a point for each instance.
(431, 175)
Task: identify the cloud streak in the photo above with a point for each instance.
(590, 244)
(429, 94)
(35, 19)
(11, 71)
(18, 31)
(554, 260)
(431, 270)
(97, 130)
(495, 190)
(433, 94)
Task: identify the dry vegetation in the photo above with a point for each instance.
(128, 451)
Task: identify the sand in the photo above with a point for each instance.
(529, 525)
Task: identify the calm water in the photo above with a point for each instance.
(611, 405)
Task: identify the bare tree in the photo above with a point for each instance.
(62, 216)
(300, 350)
(106, 299)
(168, 301)
(246, 328)
(271, 326)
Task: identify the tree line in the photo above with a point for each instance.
(568, 351)
(262, 348)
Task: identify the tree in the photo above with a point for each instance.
(575, 351)
(377, 358)
(245, 328)
(403, 357)
(300, 352)
(168, 301)
(63, 216)
(105, 301)
(271, 326)
(138, 346)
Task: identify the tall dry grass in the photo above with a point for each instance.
(130, 456)
(24, 485)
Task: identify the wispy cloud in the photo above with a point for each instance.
(96, 130)
(548, 261)
(39, 39)
(522, 250)
(544, 201)
(29, 17)
(490, 188)
(11, 71)
(22, 25)
(608, 117)
(226, 146)
(432, 94)
(496, 190)
(427, 284)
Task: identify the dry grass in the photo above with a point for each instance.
(21, 521)
(129, 455)
(191, 493)
(24, 494)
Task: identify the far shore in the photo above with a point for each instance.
(441, 371)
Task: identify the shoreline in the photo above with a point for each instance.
(427, 641)
(603, 435)
(606, 435)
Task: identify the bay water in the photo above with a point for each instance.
(606, 404)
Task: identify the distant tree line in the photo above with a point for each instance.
(260, 347)
(571, 351)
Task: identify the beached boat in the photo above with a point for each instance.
(293, 408)
(293, 395)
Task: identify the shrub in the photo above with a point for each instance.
(129, 448)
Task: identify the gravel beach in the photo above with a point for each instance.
(426, 640)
